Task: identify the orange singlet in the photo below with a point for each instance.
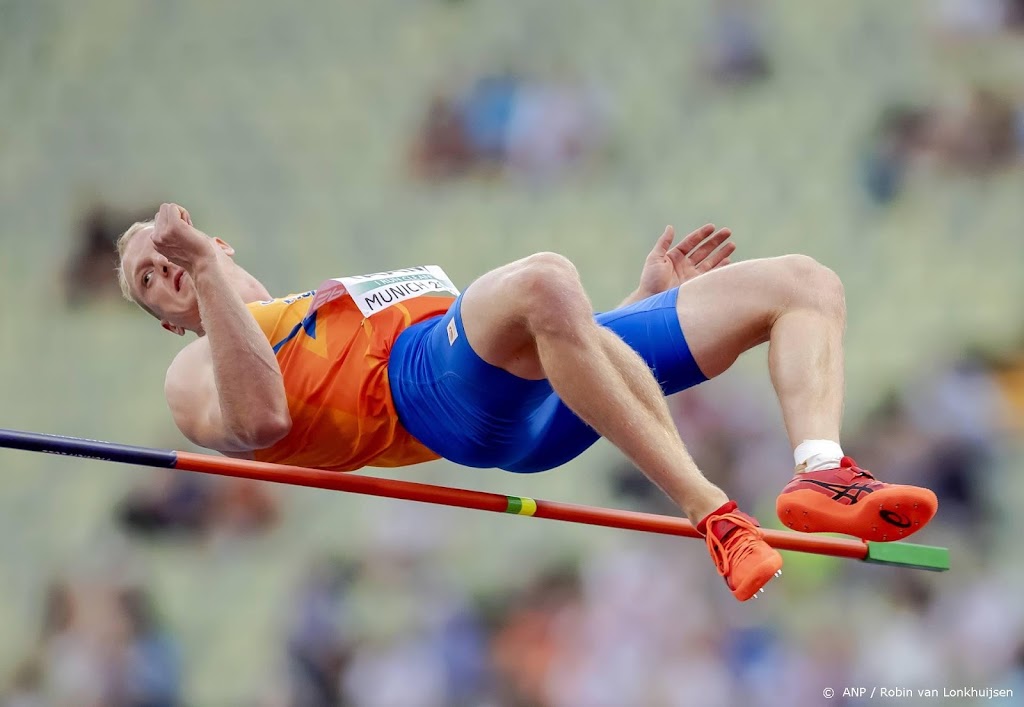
(335, 366)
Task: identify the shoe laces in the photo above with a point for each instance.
(741, 543)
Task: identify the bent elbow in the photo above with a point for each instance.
(269, 430)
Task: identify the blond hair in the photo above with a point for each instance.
(122, 279)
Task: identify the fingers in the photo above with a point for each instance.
(166, 224)
(698, 254)
(169, 213)
(162, 220)
(718, 258)
(694, 238)
(665, 240)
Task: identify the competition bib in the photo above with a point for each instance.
(377, 291)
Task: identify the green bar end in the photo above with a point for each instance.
(922, 557)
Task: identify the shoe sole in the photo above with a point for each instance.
(763, 573)
(883, 516)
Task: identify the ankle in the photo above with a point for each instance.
(817, 454)
(727, 507)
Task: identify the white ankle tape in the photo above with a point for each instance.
(816, 454)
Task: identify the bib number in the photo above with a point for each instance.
(377, 291)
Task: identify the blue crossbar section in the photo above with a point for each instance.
(87, 448)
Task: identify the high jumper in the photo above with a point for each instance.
(517, 372)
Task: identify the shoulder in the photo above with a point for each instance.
(186, 366)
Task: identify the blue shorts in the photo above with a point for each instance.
(475, 414)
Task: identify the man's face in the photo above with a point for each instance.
(161, 286)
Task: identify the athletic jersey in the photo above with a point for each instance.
(334, 360)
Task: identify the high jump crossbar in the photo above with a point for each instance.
(886, 553)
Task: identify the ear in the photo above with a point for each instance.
(180, 331)
(225, 246)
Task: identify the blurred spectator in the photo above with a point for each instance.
(554, 126)
(1014, 677)
(1014, 15)
(166, 503)
(735, 52)
(99, 646)
(532, 128)
(26, 688)
(899, 135)
(423, 645)
(487, 112)
(526, 643)
(319, 640)
(29, 683)
(89, 272)
(150, 673)
(442, 149)
(943, 430)
(463, 643)
(241, 507)
(978, 19)
(171, 503)
(1008, 374)
(976, 133)
(387, 631)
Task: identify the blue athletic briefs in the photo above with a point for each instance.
(475, 414)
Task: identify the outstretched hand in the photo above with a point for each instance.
(668, 266)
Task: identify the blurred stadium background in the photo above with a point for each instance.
(885, 139)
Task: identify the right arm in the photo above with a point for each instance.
(225, 391)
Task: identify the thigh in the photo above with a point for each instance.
(496, 329)
(651, 328)
(458, 405)
(507, 309)
(731, 310)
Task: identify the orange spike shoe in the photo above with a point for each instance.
(743, 558)
(850, 500)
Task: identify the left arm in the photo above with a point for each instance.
(666, 266)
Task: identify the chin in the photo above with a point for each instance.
(189, 320)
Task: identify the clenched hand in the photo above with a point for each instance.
(177, 240)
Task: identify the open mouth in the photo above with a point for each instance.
(177, 280)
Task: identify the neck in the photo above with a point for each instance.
(248, 288)
(251, 289)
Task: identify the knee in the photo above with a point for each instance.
(809, 284)
(550, 293)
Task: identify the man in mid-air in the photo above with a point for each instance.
(517, 372)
